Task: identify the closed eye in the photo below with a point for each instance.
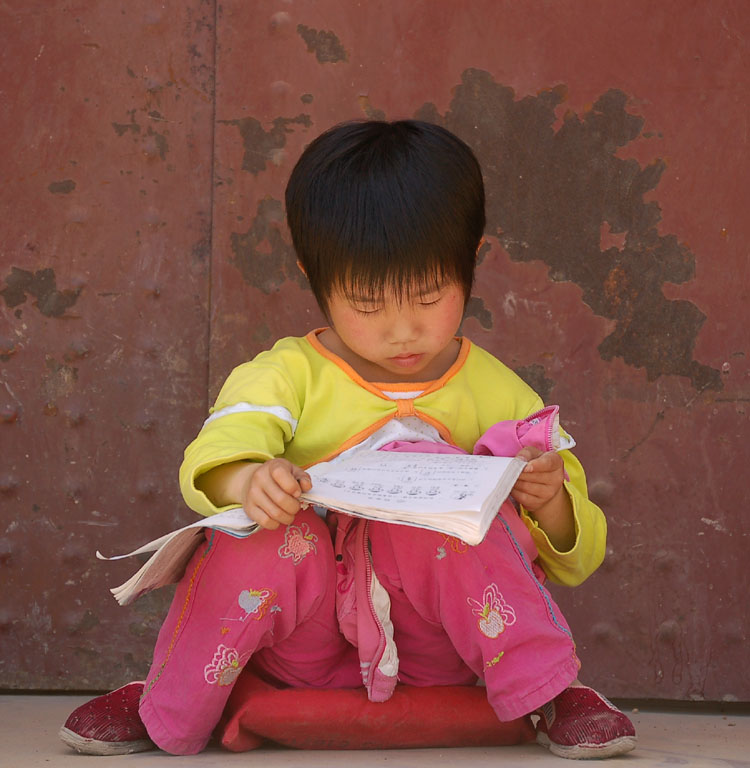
(367, 310)
(429, 301)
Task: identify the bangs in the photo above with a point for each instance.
(377, 208)
(409, 257)
(403, 284)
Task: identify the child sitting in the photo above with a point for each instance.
(386, 220)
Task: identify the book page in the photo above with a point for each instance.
(414, 482)
(173, 550)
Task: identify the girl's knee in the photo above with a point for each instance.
(301, 549)
(306, 539)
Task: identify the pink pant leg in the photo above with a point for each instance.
(273, 593)
(502, 623)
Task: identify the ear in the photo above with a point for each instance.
(301, 268)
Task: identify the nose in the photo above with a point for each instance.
(403, 326)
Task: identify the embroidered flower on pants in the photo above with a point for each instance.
(456, 545)
(225, 666)
(493, 612)
(255, 602)
(298, 543)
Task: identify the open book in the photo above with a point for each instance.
(456, 494)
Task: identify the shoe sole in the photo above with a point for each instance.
(588, 751)
(95, 747)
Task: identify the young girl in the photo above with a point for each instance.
(386, 220)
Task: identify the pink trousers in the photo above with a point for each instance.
(460, 613)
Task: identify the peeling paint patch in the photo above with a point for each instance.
(59, 383)
(201, 250)
(475, 308)
(261, 254)
(261, 145)
(122, 128)
(157, 142)
(553, 193)
(323, 43)
(715, 524)
(64, 187)
(86, 623)
(536, 377)
(42, 285)
(152, 142)
(370, 112)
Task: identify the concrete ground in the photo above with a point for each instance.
(29, 725)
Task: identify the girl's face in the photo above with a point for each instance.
(386, 340)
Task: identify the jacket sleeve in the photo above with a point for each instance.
(254, 417)
(572, 567)
(540, 428)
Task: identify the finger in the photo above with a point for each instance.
(280, 487)
(540, 491)
(304, 480)
(277, 504)
(524, 495)
(257, 515)
(537, 480)
(528, 453)
(284, 478)
(545, 462)
(530, 501)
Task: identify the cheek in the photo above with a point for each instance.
(449, 317)
(356, 327)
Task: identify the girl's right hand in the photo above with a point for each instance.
(270, 492)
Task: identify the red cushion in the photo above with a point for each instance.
(306, 718)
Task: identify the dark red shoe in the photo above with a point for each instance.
(109, 724)
(580, 723)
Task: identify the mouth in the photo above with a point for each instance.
(406, 361)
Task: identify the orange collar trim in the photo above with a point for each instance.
(379, 388)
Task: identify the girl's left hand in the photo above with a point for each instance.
(541, 480)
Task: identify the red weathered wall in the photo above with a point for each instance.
(615, 279)
(107, 119)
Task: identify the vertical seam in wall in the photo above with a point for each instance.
(212, 163)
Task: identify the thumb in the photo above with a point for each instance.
(529, 453)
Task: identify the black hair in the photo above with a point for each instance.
(375, 206)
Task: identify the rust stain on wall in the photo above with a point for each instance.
(260, 145)
(262, 255)
(122, 128)
(476, 308)
(368, 110)
(42, 285)
(551, 193)
(64, 187)
(152, 142)
(535, 376)
(58, 383)
(323, 43)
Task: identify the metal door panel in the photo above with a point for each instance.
(106, 118)
(144, 216)
(615, 277)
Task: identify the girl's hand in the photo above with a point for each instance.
(270, 492)
(541, 479)
(540, 490)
